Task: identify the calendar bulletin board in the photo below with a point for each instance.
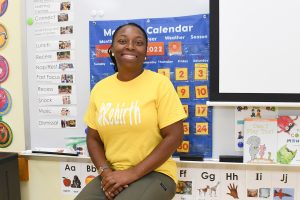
(179, 49)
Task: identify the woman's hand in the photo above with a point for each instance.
(115, 182)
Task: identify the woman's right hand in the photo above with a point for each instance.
(114, 182)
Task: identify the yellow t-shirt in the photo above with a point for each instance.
(129, 116)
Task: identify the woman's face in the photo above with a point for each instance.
(129, 48)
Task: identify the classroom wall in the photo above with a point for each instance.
(13, 52)
(44, 181)
(15, 84)
(44, 175)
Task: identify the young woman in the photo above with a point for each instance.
(134, 123)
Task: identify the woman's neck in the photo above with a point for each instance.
(127, 75)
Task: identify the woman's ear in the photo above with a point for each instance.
(110, 52)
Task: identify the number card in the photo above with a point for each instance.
(165, 72)
(186, 128)
(201, 110)
(184, 147)
(201, 91)
(181, 74)
(183, 91)
(186, 109)
(201, 128)
(201, 71)
(155, 49)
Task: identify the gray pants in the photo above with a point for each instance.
(154, 186)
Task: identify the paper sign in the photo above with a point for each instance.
(55, 67)
(56, 100)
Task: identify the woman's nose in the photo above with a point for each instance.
(130, 45)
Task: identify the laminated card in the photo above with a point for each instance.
(260, 140)
(288, 140)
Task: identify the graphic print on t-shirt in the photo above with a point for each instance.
(119, 114)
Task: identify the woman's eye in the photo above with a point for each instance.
(122, 41)
(139, 43)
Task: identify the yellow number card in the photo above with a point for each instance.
(201, 73)
(201, 91)
(181, 74)
(165, 72)
(186, 128)
(201, 110)
(184, 147)
(183, 91)
(186, 109)
(201, 128)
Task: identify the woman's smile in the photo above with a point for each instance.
(129, 56)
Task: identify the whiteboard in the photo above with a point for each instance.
(39, 48)
(254, 49)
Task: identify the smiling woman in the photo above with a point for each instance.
(132, 134)
(130, 43)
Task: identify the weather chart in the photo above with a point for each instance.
(179, 49)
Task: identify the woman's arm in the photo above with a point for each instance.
(97, 154)
(96, 148)
(172, 138)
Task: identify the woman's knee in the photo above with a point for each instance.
(92, 191)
